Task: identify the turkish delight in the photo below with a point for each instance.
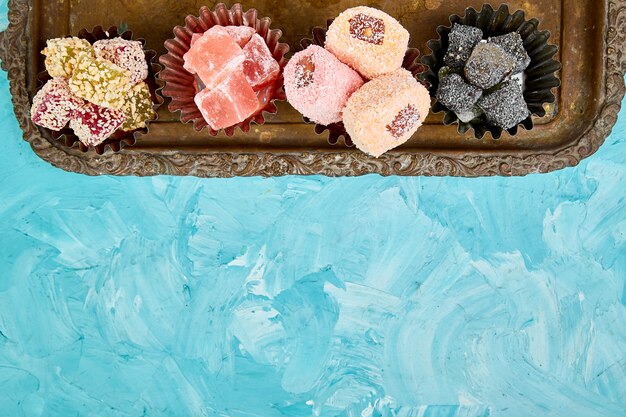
(138, 107)
(54, 105)
(100, 82)
(94, 124)
(62, 55)
(125, 54)
(318, 85)
(386, 112)
(368, 40)
(228, 104)
(259, 67)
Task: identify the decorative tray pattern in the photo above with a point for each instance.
(590, 34)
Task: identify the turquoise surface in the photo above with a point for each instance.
(298, 297)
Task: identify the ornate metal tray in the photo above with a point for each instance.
(591, 36)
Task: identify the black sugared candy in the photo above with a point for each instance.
(505, 107)
(461, 41)
(488, 65)
(456, 94)
(513, 44)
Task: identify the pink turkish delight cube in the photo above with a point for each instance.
(230, 103)
(94, 124)
(214, 57)
(126, 54)
(54, 105)
(260, 67)
(240, 34)
(194, 38)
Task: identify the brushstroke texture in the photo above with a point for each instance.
(372, 297)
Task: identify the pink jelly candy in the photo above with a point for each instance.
(194, 38)
(230, 103)
(240, 34)
(213, 57)
(318, 85)
(260, 67)
(54, 105)
(125, 54)
(94, 124)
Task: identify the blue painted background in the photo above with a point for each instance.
(298, 297)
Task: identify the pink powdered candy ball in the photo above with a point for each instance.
(228, 104)
(214, 57)
(386, 112)
(318, 85)
(260, 67)
(369, 40)
(125, 54)
(54, 105)
(94, 124)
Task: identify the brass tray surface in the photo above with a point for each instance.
(590, 34)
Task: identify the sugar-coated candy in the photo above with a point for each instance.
(100, 82)
(468, 115)
(94, 124)
(240, 34)
(368, 40)
(228, 104)
(214, 57)
(54, 105)
(461, 41)
(318, 85)
(513, 44)
(456, 94)
(506, 106)
(488, 65)
(386, 112)
(62, 55)
(138, 107)
(125, 54)
(260, 67)
(194, 39)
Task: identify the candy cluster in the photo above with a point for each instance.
(484, 77)
(97, 89)
(357, 79)
(233, 64)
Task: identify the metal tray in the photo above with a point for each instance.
(589, 33)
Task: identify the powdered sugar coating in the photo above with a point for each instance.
(54, 105)
(259, 67)
(374, 55)
(372, 111)
(333, 82)
(126, 54)
(240, 34)
(214, 57)
(94, 124)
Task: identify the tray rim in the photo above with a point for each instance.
(14, 49)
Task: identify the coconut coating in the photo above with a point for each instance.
(369, 40)
(386, 112)
(318, 85)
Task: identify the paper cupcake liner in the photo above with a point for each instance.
(180, 85)
(337, 130)
(540, 74)
(119, 139)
